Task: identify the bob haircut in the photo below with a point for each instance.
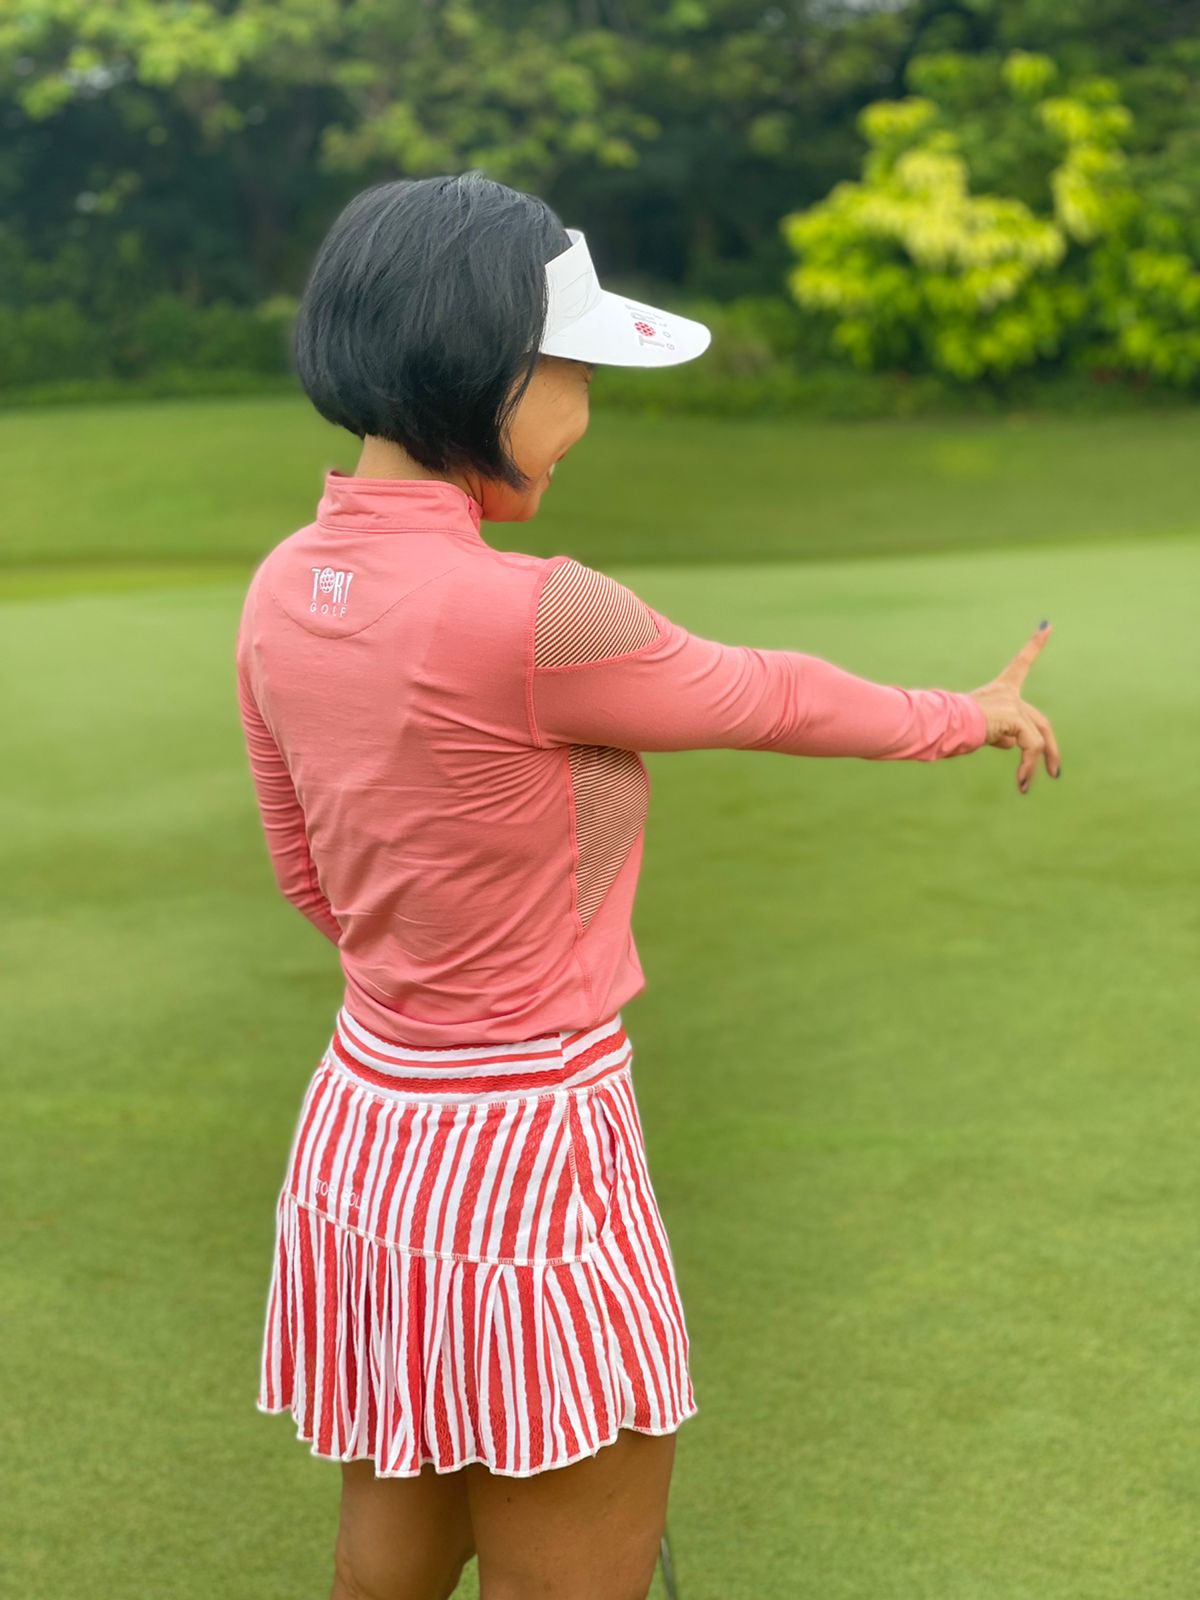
(422, 316)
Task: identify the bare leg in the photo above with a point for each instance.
(401, 1538)
(589, 1531)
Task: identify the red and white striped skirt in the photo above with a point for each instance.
(470, 1262)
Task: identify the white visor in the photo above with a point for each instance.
(588, 323)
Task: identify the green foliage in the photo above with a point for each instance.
(1085, 267)
(917, 271)
(56, 343)
(224, 134)
(190, 155)
(768, 358)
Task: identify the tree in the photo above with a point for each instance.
(1075, 260)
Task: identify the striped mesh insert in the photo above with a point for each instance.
(583, 616)
(612, 798)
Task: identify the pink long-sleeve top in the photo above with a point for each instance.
(444, 741)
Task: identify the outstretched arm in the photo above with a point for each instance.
(283, 818)
(608, 669)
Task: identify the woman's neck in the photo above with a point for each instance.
(381, 458)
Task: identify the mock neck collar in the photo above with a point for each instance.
(398, 505)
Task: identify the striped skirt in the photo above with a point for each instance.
(470, 1263)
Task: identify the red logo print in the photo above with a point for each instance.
(644, 327)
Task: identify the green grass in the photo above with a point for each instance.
(916, 1058)
(216, 482)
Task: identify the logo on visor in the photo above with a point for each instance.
(329, 592)
(657, 334)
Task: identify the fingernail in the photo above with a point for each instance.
(1042, 625)
(1058, 770)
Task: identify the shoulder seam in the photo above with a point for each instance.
(551, 565)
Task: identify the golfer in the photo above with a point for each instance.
(473, 1306)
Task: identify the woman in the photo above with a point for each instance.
(473, 1305)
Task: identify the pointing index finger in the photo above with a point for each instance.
(1020, 664)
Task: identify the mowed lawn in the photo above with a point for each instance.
(917, 1059)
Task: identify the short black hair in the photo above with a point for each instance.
(424, 307)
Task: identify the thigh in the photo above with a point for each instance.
(401, 1538)
(590, 1531)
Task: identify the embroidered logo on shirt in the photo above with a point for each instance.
(329, 592)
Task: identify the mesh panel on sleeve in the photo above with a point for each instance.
(584, 615)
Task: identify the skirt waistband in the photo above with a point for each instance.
(567, 1059)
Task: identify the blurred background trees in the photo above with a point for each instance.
(951, 191)
(1078, 256)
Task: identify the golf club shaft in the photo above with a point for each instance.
(668, 1568)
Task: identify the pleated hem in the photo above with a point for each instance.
(457, 1466)
(408, 1359)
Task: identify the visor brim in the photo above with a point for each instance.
(620, 332)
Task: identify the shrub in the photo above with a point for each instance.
(912, 270)
(56, 342)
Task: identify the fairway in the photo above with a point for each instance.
(212, 484)
(916, 1058)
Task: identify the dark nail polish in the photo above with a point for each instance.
(1044, 624)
